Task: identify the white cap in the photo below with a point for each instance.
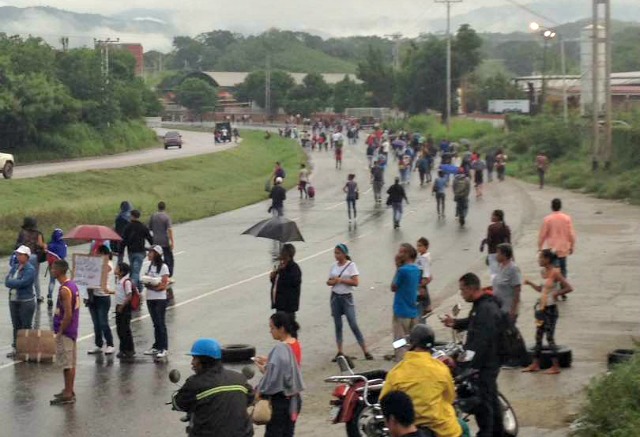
(157, 249)
(278, 180)
(24, 250)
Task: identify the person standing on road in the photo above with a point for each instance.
(497, 233)
(122, 220)
(286, 281)
(557, 233)
(22, 303)
(99, 303)
(303, 181)
(396, 196)
(479, 167)
(157, 302)
(439, 190)
(278, 195)
(547, 310)
(501, 164)
(278, 172)
(161, 228)
(217, 398)
(351, 189)
(405, 287)
(56, 249)
(424, 264)
(31, 237)
(490, 160)
(461, 190)
(66, 321)
(483, 327)
(343, 279)
(124, 294)
(542, 164)
(134, 236)
(377, 180)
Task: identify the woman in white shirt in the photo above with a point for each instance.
(124, 292)
(156, 281)
(99, 303)
(343, 279)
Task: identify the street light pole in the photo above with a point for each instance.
(563, 62)
(448, 3)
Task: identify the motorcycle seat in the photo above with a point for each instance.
(374, 374)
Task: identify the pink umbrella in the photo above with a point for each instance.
(92, 232)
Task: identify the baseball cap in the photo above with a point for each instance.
(278, 180)
(157, 249)
(24, 250)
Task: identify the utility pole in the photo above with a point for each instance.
(448, 3)
(608, 104)
(397, 39)
(65, 43)
(103, 45)
(601, 152)
(267, 88)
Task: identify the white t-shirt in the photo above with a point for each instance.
(152, 272)
(111, 278)
(348, 271)
(424, 264)
(337, 137)
(123, 289)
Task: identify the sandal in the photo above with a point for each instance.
(368, 356)
(63, 401)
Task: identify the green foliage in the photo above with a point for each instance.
(613, 405)
(312, 96)
(481, 90)
(378, 78)
(626, 50)
(253, 88)
(347, 94)
(197, 95)
(461, 128)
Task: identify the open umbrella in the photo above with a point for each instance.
(277, 228)
(399, 144)
(92, 232)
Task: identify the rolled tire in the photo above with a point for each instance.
(565, 357)
(237, 353)
(619, 356)
(7, 170)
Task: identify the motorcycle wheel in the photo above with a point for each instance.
(509, 419)
(364, 423)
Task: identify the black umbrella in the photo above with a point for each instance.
(277, 228)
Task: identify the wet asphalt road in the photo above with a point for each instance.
(222, 291)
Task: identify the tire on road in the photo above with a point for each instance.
(237, 353)
(565, 356)
(7, 170)
(619, 356)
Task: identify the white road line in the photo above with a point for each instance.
(179, 253)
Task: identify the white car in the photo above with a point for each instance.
(6, 165)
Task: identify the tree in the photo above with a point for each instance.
(481, 90)
(312, 96)
(253, 88)
(197, 96)
(626, 50)
(347, 94)
(378, 78)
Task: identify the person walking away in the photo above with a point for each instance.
(371, 151)
(497, 233)
(405, 285)
(162, 231)
(423, 168)
(399, 415)
(215, 397)
(424, 264)
(546, 313)
(286, 282)
(99, 303)
(542, 164)
(461, 190)
(483, 327)
(31, 237)
(303, 181)
(439, 190)
(278, 172)
(22, 300)
(281, 382)
(66, 321)
(278, 195)
(343, 279)
(490, 159)
(124, 294)
(557, 233)
(479, 167)
(501, 164)
(351, 189)
(428, 383)
(377, 180)
(134, 237)
(56, 249)
(396, 196)
(156, 296)
(122, 220)
(338, 154)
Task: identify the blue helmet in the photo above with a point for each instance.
(206, 347)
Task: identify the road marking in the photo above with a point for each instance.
(180, 253)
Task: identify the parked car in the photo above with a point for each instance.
(223, 132)
(172, 139)
(6, 165)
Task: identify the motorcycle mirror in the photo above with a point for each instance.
(400, 343)
(248, 372)
(456, 309)
(174, 376)
(343, 364)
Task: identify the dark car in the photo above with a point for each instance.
(223, 132)
(172, 139)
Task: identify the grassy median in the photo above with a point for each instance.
(193, 188)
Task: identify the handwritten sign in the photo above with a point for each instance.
(90, 271)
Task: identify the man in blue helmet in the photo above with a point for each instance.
(216, 398)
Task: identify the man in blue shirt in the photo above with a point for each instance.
(405, 286)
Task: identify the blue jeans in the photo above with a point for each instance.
(351, 204)
(52, 286)
(99, 310)
(158, 311)
(135, 261)
(33, 260)
(462, 207)
(561, 263)
(397, 212)
(342, 304)
(21, 315)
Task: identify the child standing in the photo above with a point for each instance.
(424, 264)
(124, 293)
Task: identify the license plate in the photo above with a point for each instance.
(334, 413)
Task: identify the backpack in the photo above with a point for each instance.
(135, 296)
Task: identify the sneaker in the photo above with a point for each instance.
(95, 351)
(63, 401)
(162, 354)
(152, 351)
(12, 354)
(40, 299)
(49, 302)
(109, 350)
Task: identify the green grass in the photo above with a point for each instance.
(193, 188)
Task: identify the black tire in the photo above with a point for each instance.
(7, 170)
(166, 147)
(237, 353)
(619, 356)
(565, 357)
(361, 416)
(509, 419)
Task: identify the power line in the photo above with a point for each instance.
(532, 12)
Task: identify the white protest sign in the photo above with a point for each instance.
(90, 271)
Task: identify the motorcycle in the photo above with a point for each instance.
(355, 397)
